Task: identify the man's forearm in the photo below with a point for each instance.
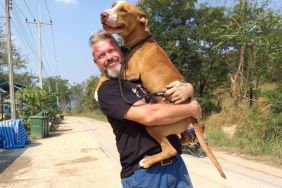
(160, 114)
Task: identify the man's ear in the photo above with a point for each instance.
(142, 18)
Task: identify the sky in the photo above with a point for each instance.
(72, 23)
(65, 49)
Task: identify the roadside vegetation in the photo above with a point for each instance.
(231, 54)
(233, 57)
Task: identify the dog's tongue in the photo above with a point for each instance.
(109, 27)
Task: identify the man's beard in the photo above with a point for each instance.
(114, 72)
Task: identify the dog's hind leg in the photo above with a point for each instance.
(167, 149)
(167, 152)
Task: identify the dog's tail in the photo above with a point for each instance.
(205, 147)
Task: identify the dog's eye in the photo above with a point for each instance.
(123, 10)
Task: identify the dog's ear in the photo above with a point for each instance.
(142, 18)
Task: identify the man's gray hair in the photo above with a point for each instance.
(98, 35)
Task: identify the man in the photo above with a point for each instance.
(129, 121)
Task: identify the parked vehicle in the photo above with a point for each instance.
(53, 123)
(62, 116)
(193, 147)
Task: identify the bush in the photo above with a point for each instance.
(207, 105)
(274, 97)
(260, 134)
(36, 100)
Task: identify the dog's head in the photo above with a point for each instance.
(123, 18)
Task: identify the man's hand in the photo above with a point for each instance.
(179, 92)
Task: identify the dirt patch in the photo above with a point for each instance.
(229, 131)
(87, 150)
(68, 172)
(79, 160)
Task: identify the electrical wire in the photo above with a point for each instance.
(53, 39)
(22, 38)
(48, 10)
(24, 15)
(47, 67)
(29, 10)
(23, 29)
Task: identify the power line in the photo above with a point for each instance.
(29, 10)
(48, 65)
(17, 7)
(31, 36)
(53, 39)
(23, 14)
(22, 38)
(35, 45)
(23, 29)
(54, 50)
(38, 24)
(48, 9)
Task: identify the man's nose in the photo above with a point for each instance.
(108, 56)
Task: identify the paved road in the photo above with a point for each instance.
(82, 153)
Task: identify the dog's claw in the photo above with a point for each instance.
(143, 164)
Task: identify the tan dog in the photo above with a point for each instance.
(148, 62)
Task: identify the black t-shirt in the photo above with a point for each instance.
(132, 140)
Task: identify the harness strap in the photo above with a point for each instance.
(148, 97)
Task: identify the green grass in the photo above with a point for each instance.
(96, 114)
(258, 134)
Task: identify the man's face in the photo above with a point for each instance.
(107, 56)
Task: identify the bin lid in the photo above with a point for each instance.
(42, 114)
(36, 117)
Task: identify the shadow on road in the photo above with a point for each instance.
(7, 157)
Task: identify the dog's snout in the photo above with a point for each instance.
(104, 15)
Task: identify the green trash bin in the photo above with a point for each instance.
(47, 128)
(44, 116)
(39, 125)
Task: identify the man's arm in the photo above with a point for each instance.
(162, 113)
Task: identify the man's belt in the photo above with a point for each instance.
(168, 161)
(164, 162)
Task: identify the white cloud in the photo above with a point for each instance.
(67, 1)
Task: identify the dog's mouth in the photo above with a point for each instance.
(111, 27)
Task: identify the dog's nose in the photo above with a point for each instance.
(104, 15)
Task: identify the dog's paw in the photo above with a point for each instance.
(144, 163)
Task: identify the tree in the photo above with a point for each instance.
(77, 96)
(19, 62)
(251, 36)
(51, 84)
(186, 34)
(91, 85)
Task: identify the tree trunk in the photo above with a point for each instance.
(252, 68)
(237, 80)
(201, 88)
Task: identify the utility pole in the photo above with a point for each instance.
(10, 61)
(38, 25)
(57, 91)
